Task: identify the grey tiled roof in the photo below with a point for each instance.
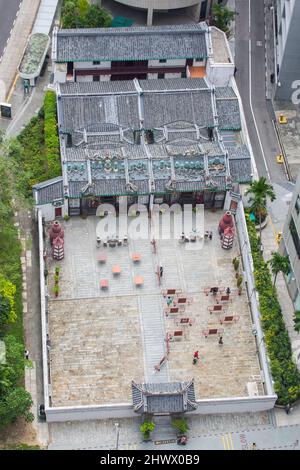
(97, 88)
(81, 111)
(240, 164)
(133, 43)
(172, 397)
(173, 84)
(229, 114)
(164, 108)
(49, 190)
(224, 92)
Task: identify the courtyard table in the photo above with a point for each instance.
(139, 280)
(116, 269)
(104, 283)
(136, 257)
(102, 257)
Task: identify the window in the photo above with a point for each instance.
(297, 205)
(295, 236)
(96, 78)
(160, 75)
(199, 59)
(162, 61)
(96, 62)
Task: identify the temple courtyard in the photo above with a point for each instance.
(108, 328)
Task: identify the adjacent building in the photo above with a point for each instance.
(195, 7)
(108, 54)
(288, 52)
(290, 245)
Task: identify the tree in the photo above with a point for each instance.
(7, 302)
(15, 404)
(80, 14)
(279, 264)
(260, 190)
(222, 16)
(297, 321)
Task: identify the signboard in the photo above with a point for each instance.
(166, 441)
(5, 110)
(58, 202)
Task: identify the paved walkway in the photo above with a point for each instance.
(17, 43)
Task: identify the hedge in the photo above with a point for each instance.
(51, 135)
(36, 149)
(284, 371)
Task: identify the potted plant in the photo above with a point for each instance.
(56, 290)
(57, 270)
(66, 217)
(239, 284)
(146, 428)
(56, 278)
(181, 426)
(236, 263)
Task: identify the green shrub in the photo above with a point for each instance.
(181, 425)
(284, 371)
(146, 428)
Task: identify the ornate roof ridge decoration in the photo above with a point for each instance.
(166, 397)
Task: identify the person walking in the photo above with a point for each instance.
(196, 357)
(288, 409)
(26, 352)
(161, 271)
(221, 340)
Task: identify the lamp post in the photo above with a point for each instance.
(117, 431)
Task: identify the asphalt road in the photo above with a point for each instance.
(8, 11)
(259, 118)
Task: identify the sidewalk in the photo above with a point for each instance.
(270, 48)
(17, 43)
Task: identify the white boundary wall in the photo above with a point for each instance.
(205, 406)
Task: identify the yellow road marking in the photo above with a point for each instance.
(274, 230)
(12, 87)
(227, 441)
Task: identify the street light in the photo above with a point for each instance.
(117, 431)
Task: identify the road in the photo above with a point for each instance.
(8, 11)
(284, 438)
(251, 82)
(250, 79)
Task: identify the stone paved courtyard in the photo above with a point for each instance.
(102, 339)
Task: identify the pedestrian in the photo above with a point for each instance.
(235, 71)
(253, 446)
(196, 357)
(210, 235)
(26, 354)
(161, 271)
(169, 301)
(288, 409)
(228, 290)
(221, 340)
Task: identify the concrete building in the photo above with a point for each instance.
(290, 245)
(194, 6)
(288, 52)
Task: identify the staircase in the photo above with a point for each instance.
(163, 429)
(153, 331)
